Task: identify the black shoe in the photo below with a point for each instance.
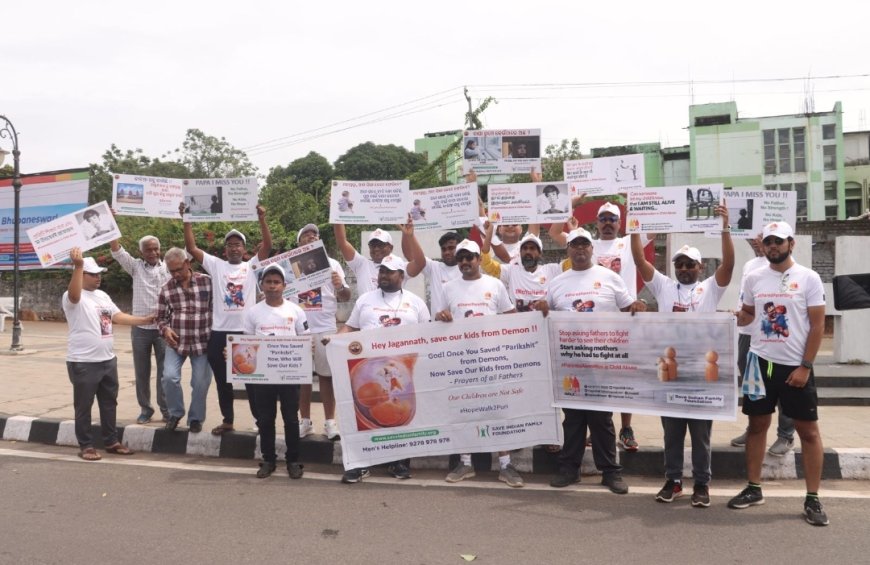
(615, 483)
(195, 426)
(266, 469)
(814, 512)
(750, 496)
(172, 423)
(564, 479)
(355, 475)
(670, 492)
(701, 496)
(295, 470)
(399, 470)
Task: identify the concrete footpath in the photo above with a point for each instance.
(36, 406)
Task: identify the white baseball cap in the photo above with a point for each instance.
(381, 235)
(467, 245)
(235, 233)
(691, 252)
(305, 228)
(534, 239)
(274, 267)
(579, 232)
(90, 266)
(610, 209)
(777, 229)
(394, 263)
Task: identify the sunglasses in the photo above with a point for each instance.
(608, 219)
(685, 264)
(579, 242)
(465, 257)
(773, 241)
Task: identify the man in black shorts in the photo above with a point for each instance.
(787, 303)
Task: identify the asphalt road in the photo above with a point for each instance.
(153, 509)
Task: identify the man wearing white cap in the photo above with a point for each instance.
(388, 306)
(366, 270)
(476, 294)
(275, 316)
(787, 303)
(90, 359)
(234, 287)
(526, 280)
(321, 313)
(438, 273)
(588, 287)
(687, 294)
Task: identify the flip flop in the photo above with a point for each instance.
(90, 454)
(119, 449)
(222, 429)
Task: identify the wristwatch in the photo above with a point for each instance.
(807, 365)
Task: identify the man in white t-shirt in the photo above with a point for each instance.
(389, 306)
(476, 294)
(784, 426)
(90, 358)
(321, 305)
(687, 294)
(275, 316)
(588, 287)
(366, 270)
(526, 280)
(437, 273)
(786, 302)
(234, 289)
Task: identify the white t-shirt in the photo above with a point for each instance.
(90, 337)
(366, 272)
(480, 297)
(287, 319)
(234, 288)
(525, 287)
(781, 301)
(748, 267)
(439, 274)
(703, 296)
(379, 309)
(320, 304)
(615, 254)
(595, 289)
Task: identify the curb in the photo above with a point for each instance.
(728, 462)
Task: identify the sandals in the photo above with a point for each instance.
(90, 454)
(222, 429)
(119, 449)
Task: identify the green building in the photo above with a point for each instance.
(431, 145)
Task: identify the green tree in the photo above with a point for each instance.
(368, 161)
(311, 175)
(556, 155)
(206, 156)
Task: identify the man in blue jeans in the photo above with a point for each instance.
(149, 274)
(184, 309)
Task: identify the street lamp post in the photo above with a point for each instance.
(8, 130)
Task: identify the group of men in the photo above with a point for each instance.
(179, 314)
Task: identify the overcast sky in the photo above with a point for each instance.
(79, 76)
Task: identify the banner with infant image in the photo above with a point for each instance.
(668, 364)
(472, 385)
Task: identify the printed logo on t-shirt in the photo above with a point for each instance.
(311, 299)
(388, 321)
(472, 314)
(581, 305)
(774, 321)
(596, 285)
(487, 296)
(611, 262)
(234, 296)
(105, 322)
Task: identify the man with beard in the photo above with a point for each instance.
(476, 294)
(786, 361)
(527, 280)
(606, 292)
(234, 280)
(387, 306)
(687, 294)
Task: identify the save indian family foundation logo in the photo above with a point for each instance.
(355, 348)
(571, 385)
(596, 285)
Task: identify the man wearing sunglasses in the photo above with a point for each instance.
(780, 363)
(687, 294)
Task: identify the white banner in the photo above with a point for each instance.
(496, 151)
(750, 210)
(154, 197)
(374, 202)
(674, 209)
(280, 360)
(472, 385)
(305, 268)
(669, 364)
(528, 203)
(444, 207)
(89, 228)
(605, 175)
(220, 200)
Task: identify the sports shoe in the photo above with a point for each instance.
(144, 418)
(626, 439)
(195, 426)
(460, 473)
(295, 470)
(615, 483)
(814, 512)
(355, 475)
(172, 423)
(701, 496)
(748, 497)
(331, 430)
(739, 441)
(399, 470)
(266, 469)
(781, 447)
(511, 476)
(564, 479)
(670, 492)
(305, 427)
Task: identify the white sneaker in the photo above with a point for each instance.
(305, 427)
(331, 429)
